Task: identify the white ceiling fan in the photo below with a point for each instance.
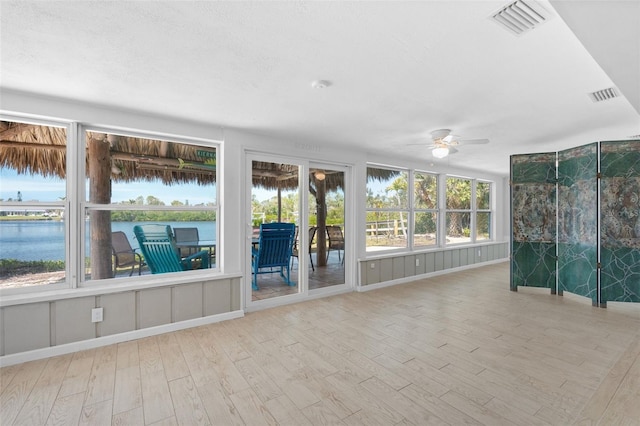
(444, 143)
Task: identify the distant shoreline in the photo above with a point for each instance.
(14, 218)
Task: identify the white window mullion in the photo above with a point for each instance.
(474, 210)
(442, 210)
(411, 212)
(74, 225)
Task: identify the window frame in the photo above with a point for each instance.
(435, 210)
(63, 205)
(468, 211)
(86, 206)
(75, 205)
(406, 210)
(489, 210)
(440, 211)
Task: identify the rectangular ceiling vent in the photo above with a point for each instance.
(521, 16)
(604, 94)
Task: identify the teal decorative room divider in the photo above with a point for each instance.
(533, 209)
(568, 236)
(620, 229)
(578, 221)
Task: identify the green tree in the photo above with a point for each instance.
(426, 197)
(154, 201)
(400, 195)
(458, 198)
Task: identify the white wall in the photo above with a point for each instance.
(235, 143)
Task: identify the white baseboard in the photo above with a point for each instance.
(116, 338)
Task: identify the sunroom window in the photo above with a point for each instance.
(33, 204)
(458, 210)
(483, 211)
(388, 210)
(138, 187)
(425, 200)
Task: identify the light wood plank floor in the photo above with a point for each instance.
(454, 349)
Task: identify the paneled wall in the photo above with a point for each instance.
(29, 326)
(390, 268)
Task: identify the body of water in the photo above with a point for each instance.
(45, 239)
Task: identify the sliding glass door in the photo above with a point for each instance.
(308, 198)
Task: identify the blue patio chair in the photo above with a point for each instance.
(273, 253)
(160, 252)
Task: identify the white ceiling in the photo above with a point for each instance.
(398, 69)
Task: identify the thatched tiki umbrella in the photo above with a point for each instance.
(34, 149)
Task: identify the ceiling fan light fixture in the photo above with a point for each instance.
(440, 152)
(320, 84)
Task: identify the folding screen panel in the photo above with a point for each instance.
(578, 221)
(620, 221)
(533, 220)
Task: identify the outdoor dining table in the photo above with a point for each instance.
(210, 245)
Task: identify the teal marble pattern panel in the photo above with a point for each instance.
(620, 159)
(578, 220)
(620, 221)
(533, 220)
(533, 265)
(577, 270)
(536, 168)
(620, 274)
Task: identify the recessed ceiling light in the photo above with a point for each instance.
(320, 84)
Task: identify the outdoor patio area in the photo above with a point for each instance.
(272, 285)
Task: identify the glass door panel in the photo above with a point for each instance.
(275, 198)
(326, 241)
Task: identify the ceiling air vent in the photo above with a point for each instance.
(604, 94)
(521, 16)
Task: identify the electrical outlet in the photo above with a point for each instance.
(96, 315)
(373, 266)
(417, 262)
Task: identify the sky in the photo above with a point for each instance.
(39, 188)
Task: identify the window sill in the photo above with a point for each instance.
(108, 287)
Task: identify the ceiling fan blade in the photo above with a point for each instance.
(423, 144)
(452, 150)
(473, 141)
